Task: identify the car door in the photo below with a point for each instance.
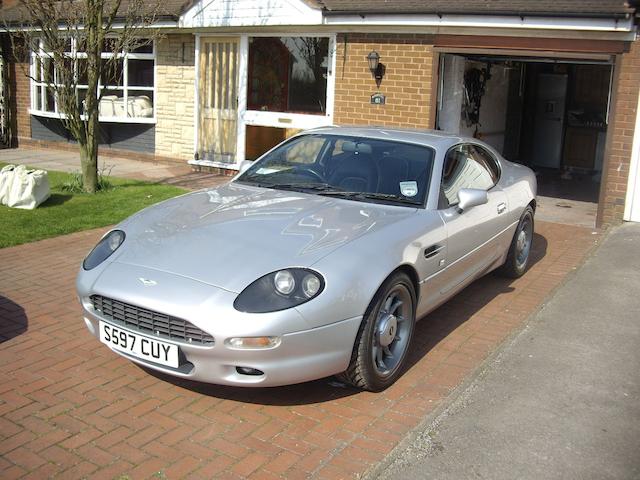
(472, 245)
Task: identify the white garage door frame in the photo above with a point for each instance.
(632, 204)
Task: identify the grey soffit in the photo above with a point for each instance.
(573, 8)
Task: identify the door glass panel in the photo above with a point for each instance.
(218, 87)
(288, 74)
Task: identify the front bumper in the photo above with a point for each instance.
(304, 353)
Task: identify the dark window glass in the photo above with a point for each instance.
(463, 170)
(288, 74)
(140, 73)
(82, 95)
(49, 70)
(143, 48)
(50, 99)
(83, 78)
(112, 72)
(110, 45)
(37, 101)
(37, 69)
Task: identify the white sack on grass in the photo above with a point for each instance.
(6, 178)
(29, 188)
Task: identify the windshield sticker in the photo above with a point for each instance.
(409, 189)
(267, 171)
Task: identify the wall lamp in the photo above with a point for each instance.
(377, 69)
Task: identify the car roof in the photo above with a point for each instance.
(431, 138)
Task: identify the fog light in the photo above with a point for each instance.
(253, 342)
(254, 372)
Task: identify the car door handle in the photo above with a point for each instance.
(432, 251)
(502, 207)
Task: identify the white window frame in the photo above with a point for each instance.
(261, 118)
(38, 90)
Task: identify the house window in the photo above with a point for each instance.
(127, 89)
(288, 74)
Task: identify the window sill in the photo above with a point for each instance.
(141, 120)
(211, 163)
(286, 120)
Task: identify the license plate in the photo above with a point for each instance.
(138, 345)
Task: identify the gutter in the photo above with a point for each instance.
(168, 21)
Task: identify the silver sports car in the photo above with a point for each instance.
(316, 260)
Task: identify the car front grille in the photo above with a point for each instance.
(148, 321)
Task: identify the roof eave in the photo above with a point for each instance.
(361, 13)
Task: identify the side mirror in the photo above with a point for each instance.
(471, 197)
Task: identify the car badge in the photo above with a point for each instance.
(147, 282)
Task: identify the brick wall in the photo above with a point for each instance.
(21, 98)
(175, 96)
(620, 138)
(407, 82)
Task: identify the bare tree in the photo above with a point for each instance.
(81, 42)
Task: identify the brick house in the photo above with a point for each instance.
(551, 84)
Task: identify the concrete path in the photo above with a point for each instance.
(561, 399)
(68, 161)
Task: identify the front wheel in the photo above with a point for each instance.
(518, 256)
(380, 352)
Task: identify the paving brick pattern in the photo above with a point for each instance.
(70, 408)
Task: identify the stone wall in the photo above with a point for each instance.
(175, 96)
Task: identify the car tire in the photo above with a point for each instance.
(384, 338)
(520, 249)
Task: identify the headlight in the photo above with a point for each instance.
(280, 290)
(105, 247)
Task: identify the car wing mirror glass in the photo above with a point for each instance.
(471, 197)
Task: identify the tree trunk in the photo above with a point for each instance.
(89, 156)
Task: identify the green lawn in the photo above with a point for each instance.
(65, 212)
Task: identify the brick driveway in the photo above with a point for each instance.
(71, 408)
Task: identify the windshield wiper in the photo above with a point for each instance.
(320, 187)
(371, 196)
(331, 190)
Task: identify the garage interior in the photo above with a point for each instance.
(548, 114)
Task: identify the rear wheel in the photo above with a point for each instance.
(518, 256)
(381, 347)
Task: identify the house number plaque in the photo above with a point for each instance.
(378, 99)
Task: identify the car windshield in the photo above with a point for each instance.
(355, 168)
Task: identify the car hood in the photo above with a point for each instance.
(232, 235)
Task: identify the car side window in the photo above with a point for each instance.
(464, 167)
(484, 157)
